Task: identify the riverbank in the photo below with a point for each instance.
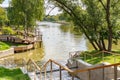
(4, 46)
(12, 74)
(62, 22)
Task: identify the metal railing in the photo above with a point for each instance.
(43, 69)
(114, 75)
(105, 71)
(90, 71)
(99, 55)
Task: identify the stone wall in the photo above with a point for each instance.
(98, 74)
(6, 52)
(23, 48)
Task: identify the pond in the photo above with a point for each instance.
(58, 41)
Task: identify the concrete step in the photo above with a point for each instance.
(33, 76)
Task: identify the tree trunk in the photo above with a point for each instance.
(103, 44)
(109, 26)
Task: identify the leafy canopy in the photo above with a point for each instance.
(97, 19)
(25, 12)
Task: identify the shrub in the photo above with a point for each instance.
(7, 30)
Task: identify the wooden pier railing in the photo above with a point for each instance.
(73, 73)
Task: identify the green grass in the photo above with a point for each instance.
(12, 74)
(4, 46)
(14, 44)
(93, 58)
(7, 45)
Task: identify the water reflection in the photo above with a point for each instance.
(36, 54)
(59, 41)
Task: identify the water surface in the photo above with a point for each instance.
(58, 42)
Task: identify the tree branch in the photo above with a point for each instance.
(102, 4)
(50, 11)
(78, 21)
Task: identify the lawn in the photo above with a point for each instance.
(7, 45)
(96, 57)
(14, 44)
(12, 74)
(4, 46)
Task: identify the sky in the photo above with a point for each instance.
(5, 3)
(53, 12)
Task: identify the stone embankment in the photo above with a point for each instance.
(23, 48)
(7, 52)
(107, 73)
(30, 41)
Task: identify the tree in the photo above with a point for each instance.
(1, 1)
(3, 17)
(25, 12)
(7, 30)
(97, 19)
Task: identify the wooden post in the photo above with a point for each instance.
(103, 73)
(51, 69)
(115, 72)
(72, 77)
(60, 73)
(45, 73)
(40, 75)
(89, 75)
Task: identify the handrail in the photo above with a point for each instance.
(93, 54)
(94, 68)
(44, 66)
(73, 73)
(33, 63)
(111, 52)
(65, 68)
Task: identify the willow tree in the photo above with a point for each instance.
(3, 17)
(1, 1)
(97, 19)
(25, 12)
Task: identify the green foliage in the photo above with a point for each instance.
(4, 46)
(96, 57)
(59, 17)
(3, 17)
(7, 30)
(1, 1)
(50, 18)
(12, 74)
(97, 19)
(25, 12)
(64, 16)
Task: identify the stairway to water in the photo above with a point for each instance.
(55, 75)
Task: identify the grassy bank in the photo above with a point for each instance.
(96, 57)
(4, 46)
(7, 45)
(14, 44)
(12, 74)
